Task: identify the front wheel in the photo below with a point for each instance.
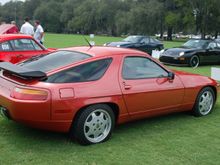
(94, 124)
(194, 61)
(204, 102)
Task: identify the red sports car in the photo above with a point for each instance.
(86, 91)
(17, 47)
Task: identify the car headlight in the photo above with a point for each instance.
(105, 44)
(181, 53)
(162, 51)
(118, 46)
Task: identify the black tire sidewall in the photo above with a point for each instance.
(196, 111)
(78, 127)
(190, 61)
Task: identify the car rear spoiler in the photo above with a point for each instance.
(21, 72)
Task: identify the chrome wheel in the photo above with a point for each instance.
(97, 126)
(206, 103)
(194, 61)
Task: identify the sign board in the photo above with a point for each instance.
(156, 54)
(92, 36)
(215, 73)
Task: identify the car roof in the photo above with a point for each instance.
(98, 51)
(202, 39)
(6, 37)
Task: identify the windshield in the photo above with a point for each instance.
(132, 39)
(196, 44)
(46, 63)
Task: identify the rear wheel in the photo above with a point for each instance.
(194, 61)
(205, 102)
(94, 124)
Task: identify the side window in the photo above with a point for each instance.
(83, 73)
(212, 45)
(22, 44)
(218, 45)
(141, 68)
(5, 46)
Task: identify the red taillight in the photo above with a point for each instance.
(29, 94)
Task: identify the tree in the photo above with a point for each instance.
(48, 13)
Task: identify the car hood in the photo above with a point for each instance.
(177, 51)
(194, 80)
(120, 43)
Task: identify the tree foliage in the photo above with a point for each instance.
(117, 17)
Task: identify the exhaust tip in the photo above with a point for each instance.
(4, 113)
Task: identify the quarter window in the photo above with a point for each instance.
(141, 68)
(83, 73)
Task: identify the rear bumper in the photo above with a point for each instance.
(32, 113)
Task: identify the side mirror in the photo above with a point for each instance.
(171, 75)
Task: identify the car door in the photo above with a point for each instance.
(24, 49)
(211, 53)
(146, 88)
(144, 45)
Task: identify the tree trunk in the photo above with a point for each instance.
(216, 34)
(203, 33)
(161, 29)
(169, 33)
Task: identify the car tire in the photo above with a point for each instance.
(194, 61)
(93, 125)
(204, 102)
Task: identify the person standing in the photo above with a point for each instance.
(27, 28)
(39, 32)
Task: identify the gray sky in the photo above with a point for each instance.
(4, 1)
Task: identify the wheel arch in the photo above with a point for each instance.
(214, 89)
(112, 105)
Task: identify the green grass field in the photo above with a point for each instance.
(67, 40)
(177, 139)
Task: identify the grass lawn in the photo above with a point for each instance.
(177, 139)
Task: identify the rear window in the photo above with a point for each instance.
(46, 63)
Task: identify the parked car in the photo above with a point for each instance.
(17, 47)
(193, 53)
(8, 29)
(143, 43)
(86, 91)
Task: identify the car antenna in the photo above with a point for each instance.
(87, 41)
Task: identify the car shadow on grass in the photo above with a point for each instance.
(24, 137)
(24, 132)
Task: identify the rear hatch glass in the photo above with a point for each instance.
(46, 63)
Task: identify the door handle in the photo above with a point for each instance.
(126, 86)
